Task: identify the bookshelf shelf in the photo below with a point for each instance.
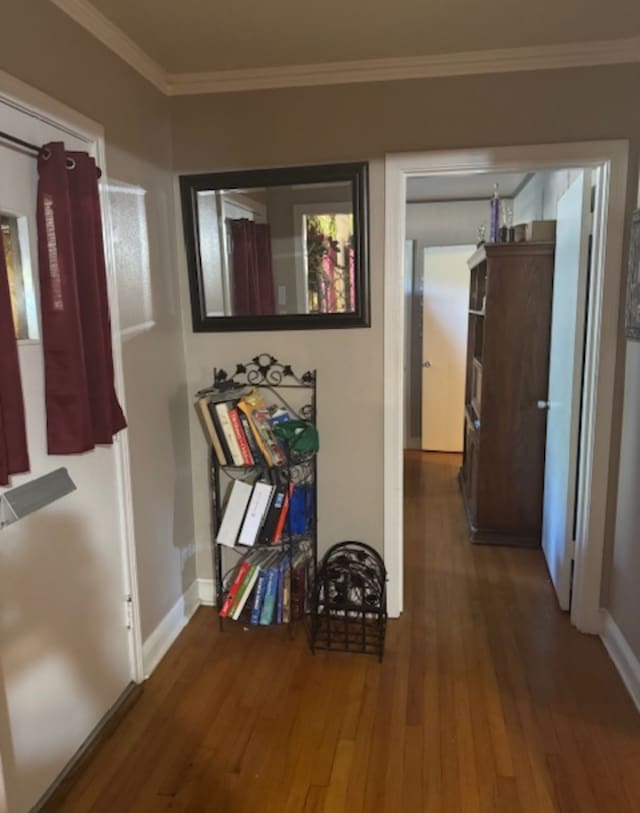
(285, 522)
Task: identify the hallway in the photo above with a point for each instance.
(487, 700)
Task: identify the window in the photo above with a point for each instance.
(15, 243)
(330, 262)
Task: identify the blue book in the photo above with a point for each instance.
(261, 587)
(271, 595)
(258, 596)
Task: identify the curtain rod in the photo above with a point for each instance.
(20, 142)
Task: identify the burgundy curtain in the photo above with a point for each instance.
(253, 286)
(14, 457)
(82, 407)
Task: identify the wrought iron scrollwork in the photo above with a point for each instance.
(263, 370)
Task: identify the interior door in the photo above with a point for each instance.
(444, 346)
(565, 377)
(65, 656)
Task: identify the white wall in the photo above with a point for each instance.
(447, 223)
(538, 199)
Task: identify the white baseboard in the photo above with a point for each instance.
(626, 662)
(206, 592)
(157, 644)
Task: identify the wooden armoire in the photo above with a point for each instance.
(507, 377)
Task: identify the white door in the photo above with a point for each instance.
(565, 375)
(64, 659)
(444, 346)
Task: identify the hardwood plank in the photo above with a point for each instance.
(487, 700)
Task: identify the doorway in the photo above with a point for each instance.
(70, 631)
(610, 160)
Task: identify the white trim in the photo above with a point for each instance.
(159, 642)
(625, 660)
(116, 40)
(36, 104)
(207, 592)
(121, 444)
(465, 63)
(612, 158)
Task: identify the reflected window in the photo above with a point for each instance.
(330, 262)
(15, 243)
(130, 241)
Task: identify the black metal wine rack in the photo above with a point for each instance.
(349, 601)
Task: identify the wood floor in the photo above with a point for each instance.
(487, 700)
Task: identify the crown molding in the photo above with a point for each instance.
(506, 60)
(86, 15)
(466, 63)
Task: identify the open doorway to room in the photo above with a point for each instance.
(498, 339)
(505, 336)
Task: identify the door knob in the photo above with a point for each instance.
(426, 364)
(544, 404)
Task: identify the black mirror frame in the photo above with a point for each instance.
(356, 173)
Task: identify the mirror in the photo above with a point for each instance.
(277, 249)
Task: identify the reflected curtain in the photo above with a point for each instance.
(14, 457)
(82, 406)
(252, 270)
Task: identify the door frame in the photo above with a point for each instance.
(611, 158)
(38, 105)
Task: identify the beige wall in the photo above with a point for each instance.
(349, 406)
(44, 48)
(218, 132)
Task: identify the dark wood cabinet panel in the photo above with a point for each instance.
(502, 475)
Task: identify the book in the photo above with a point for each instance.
(277, 533)
(241, 571)
(271, 593)
(286, 595)
(284, 567)
(221, 436)
(222, 411)
(234, 513)
(245, 590)
(256, 411)
(234, 417)
(261, 587)
(202, 408)
(255, 514)
(267, 532)
(256, 453)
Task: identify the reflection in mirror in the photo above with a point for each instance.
(15, 244)
(275, 250)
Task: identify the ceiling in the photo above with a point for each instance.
(464, 187)
(211, 35)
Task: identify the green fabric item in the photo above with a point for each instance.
(300, 436)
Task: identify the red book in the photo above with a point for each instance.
(233, 590)
(283, 515)
(241, 437)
